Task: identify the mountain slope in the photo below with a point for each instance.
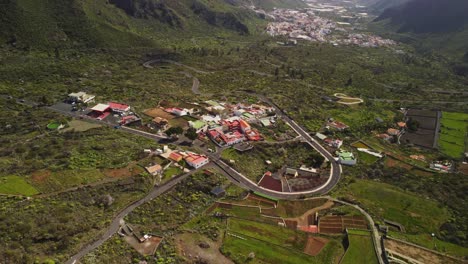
(429, 25)
(428, 16)
(114, 23)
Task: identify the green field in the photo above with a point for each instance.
(273, 234)
(394, 204)
(16, 185)
(452, 138)
(360, 250)
(366, 159)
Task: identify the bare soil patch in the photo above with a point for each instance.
(40, 176)
(158, 112)
(393, 163)
(314, 245)
(146, 248)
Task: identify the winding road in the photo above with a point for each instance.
(116, 222)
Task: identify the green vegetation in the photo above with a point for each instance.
(400, 206)
(453, 135)
(16, 185)
(360, 249)
(239, 250)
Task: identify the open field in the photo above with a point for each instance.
(453, 134)
(16, 185)
(424, 136)
(408, 209)
(158, 112)
(80, 126)
(360, 250)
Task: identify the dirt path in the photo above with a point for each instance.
(303, 219)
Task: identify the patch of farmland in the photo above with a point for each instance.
(453, 134)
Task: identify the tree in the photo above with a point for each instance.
(412, 125)
(191, 133)
(174, 131)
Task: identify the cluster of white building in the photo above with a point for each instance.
(306, 25)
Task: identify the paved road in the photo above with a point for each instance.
(115, 225)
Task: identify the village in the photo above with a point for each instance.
(308, 25)
(192, 132)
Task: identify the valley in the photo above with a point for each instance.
(200, 131)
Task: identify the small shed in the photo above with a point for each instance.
(218, 191)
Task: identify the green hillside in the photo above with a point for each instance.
(99, 23)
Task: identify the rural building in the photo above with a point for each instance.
(160, 123)
(177, 111)
(320, 136)
(100, 111)
(401, 124)
(175, 156)
(335, 143)
(346, 158)
(154, 170)
(218, 191)
(291, 172)
(81, 97)
(119, 108)
(393, 132)
(129, 119)
(196, 161)
(338, 125)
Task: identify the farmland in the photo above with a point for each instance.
(453, 135)
(360, 249)
(16, 185)
(394, 204)
(273, 244)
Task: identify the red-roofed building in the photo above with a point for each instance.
(196, 161)
(338, 125)
(245, 127)
(175, 156)
(176, 111)
(129, 119)
(401, 124)
(393, 132)
(119, 108)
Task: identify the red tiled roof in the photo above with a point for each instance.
(175, 156)
(118, 106)
(309, 229)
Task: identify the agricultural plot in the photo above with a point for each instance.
(453, 134)
(425, 135)
(48, 181)
(360, 249)
(273, 234)
(337, 224)
(16, 185)
(273, 244)
(394, 204)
